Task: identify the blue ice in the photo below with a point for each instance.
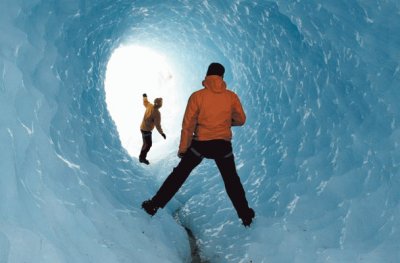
(319, 156)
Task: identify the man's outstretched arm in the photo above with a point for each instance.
(145, 101)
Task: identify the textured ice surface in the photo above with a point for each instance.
(319, 156)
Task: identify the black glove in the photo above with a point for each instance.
(180, 155)
(144, 95)
(163, 135)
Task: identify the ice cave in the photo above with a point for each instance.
(319, 155)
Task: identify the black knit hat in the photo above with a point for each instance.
(215, 69)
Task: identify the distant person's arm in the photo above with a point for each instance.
(157, 123)
(145, 101)
(238, 115)
(188, 125)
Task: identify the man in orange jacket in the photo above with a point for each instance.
(151, 119)
(206, 132)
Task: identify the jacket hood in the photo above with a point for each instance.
(214, 83)
(158, 103)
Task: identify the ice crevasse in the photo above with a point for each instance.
(318, 157)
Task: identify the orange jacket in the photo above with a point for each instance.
(151, 118)
(210, 113)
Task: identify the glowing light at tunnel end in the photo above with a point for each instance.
(131, 71)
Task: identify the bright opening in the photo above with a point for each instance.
(132, 71)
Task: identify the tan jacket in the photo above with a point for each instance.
(151, 118)
(210, 113)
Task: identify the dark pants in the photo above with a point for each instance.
(221, 152)
(147, 143)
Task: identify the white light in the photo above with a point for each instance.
(132, 71)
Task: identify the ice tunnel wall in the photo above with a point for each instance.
(318, 156)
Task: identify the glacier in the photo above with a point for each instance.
(319, 156)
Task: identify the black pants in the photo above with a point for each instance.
(221, 152)
(147, 143)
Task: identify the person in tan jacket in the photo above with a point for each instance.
(151, 119)
(206, 132)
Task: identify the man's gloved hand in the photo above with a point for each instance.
(180, 155)
(163, 135)
(144, 95)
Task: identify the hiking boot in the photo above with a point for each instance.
(143, 160)
(248, 218)
(149, 207)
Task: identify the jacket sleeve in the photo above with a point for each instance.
(157, 122)
(189, 123)
(145, 102)
(238, 115)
